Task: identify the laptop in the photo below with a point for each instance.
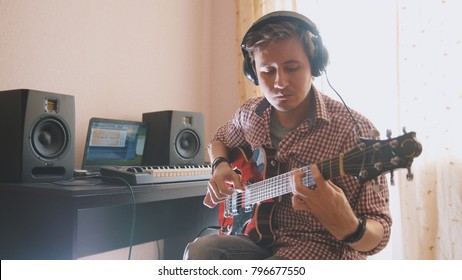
(113, 143)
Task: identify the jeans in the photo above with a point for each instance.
(226, 247)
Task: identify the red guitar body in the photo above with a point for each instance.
(254, 221)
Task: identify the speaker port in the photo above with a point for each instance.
(48, 171)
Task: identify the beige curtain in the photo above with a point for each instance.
(427, 99)
(247, 12)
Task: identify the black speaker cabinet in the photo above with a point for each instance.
(174, 138)
(37, 136)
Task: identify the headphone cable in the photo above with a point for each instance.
(357, 127)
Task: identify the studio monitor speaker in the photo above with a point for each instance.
(174, 138)
(37, 136)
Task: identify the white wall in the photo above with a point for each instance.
(120, 58)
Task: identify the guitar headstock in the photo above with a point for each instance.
(372, 158)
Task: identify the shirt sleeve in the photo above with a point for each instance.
(367, 199)
(231, 133)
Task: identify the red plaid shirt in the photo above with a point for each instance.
(331, 132)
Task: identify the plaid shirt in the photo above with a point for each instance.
(330, 132)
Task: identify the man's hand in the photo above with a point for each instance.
(223, 183)
(326, 202)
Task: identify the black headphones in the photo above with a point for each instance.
(320, 58)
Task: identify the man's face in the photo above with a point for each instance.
(284, 73)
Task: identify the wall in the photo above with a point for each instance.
(120, 58)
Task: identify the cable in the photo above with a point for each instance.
(71, 182)
(344, 104)
(158, 249)
(355, 204)
(209, 228)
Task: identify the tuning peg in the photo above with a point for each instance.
(363, 174)
(392, 179)
(409, 175)
(378, 166)
(389, 133)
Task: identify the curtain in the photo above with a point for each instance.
(398, 63)
(247, 12)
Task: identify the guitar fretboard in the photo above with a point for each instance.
(263, 190)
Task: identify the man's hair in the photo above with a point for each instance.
(272, 32)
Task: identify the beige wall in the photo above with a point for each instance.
(120, 58)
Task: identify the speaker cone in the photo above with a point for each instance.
(49, 138)
(187, 144)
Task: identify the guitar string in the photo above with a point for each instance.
(256, 193)
(277, 179)
(271, 188)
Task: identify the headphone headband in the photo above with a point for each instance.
(278, 16)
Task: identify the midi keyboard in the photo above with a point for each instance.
(146, 175)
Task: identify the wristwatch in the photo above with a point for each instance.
(355, 237)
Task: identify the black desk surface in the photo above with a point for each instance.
(84, 217)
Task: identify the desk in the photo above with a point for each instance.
(49, 221)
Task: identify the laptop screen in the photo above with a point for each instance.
(113, 143)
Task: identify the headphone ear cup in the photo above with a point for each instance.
(249, 70)
(321, 57)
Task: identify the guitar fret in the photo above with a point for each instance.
(263, 190)
(273, 187)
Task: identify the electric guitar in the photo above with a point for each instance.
(266, 180)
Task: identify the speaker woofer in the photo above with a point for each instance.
(49, 138)
(187, 144)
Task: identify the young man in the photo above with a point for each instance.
(332, 219)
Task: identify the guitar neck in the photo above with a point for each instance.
(332, 168)
(273, 187)
(280, 185)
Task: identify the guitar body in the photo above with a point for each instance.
(254, 221)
